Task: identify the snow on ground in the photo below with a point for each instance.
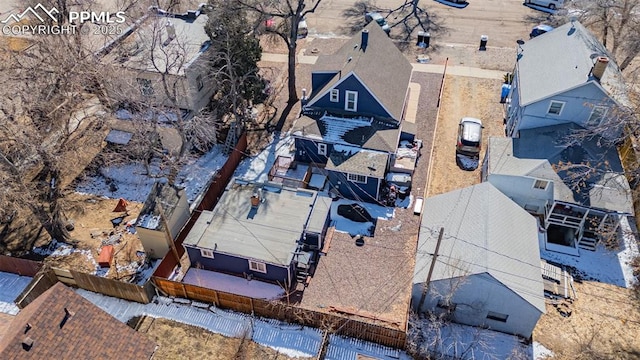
(354, 228)
(131, 181)
(602, 265)
(344, 348)
(468, 342)
(11, 285)
(540, 352)
(232, 284)
(293, 340)
(256, 168)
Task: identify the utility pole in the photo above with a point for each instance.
(433, 264)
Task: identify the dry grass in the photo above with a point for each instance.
(180, 341)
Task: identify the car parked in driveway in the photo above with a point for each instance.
(469, 136)
(539, 30)
(377, 17)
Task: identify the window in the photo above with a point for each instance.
(597, 114)
(335, 95)
(199, 82)
(257, 266)
(322, 149)
(351, 102)
(497, 316)
(555, 108)
(146, 89)
(206, 253)
(357, 178)
(540, 184)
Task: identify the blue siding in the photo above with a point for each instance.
(355, 191)
(236, 265)
(318, 80)
(367, 104)
(307, 151)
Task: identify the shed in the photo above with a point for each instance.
(106, 255)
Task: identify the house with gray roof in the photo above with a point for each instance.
(565, 76)
(576, 186)
(357, 100)
(261, 231)
(485, 270)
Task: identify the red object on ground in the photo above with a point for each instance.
(122, 206)
(106, 255)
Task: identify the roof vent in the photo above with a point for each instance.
(27, 328)
(27, 343)
(67, 315)
(599, 67)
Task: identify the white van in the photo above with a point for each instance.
(551, 4)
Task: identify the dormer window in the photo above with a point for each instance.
(597, 114)
(555, 108)
(351, 101)
(335, 95)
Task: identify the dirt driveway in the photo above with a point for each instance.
(463, 96)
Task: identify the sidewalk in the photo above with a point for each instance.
(428, 68)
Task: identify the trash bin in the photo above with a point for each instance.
(483, 42)
(423, 39)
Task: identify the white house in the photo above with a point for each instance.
(564, 76)
(576, 187)
(486, 270)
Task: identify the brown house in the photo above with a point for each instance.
(61, 324)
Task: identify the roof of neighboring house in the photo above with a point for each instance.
(269, 233)
(548, 153)
(353, 160)
(133, 49)
(88, 333)
(162, 199)
(367, 133)
(562, 60)
(381, 67)
(484, 232)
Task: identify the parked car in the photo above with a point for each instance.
(539, 30)
(469, 136)
(377, 17)
(303, 29)
(551, 4)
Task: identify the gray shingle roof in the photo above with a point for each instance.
(367, 133)
(561, 60)
(538, 152)
(351, 160)
(484, 232)
(269, 234)
(381, 67)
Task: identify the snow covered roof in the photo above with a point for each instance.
(267, 233)
(365, 132)
(484, 232)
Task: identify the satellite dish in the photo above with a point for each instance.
(520, 42)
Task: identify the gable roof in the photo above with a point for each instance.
(484, 232)
(561, 60)
(380, 66)
(368, 133)
(89, 333)
(538, 152)
(269, 233)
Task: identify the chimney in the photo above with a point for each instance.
(599, 67)
(255, 200)
(27, 343)
(365, 40)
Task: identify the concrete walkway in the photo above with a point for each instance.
(429, 68)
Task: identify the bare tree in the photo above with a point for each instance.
(288, 14)
(617, 24)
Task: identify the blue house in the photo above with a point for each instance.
(351, 124)
(262, 231)
(565, 76)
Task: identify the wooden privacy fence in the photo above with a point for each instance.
(41, 282)
(23, 267)
(630, 162)
(341, 325)
(123, 290)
